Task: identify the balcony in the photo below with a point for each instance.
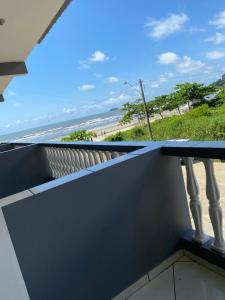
(111, 221)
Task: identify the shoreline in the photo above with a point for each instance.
(105, 131)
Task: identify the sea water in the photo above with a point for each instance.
(53, 132)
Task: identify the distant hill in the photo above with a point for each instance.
(114, 109)
(220, 82)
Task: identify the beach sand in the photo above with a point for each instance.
(105, 131)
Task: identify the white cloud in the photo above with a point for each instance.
(158, 29)
(118, 99)
(16, 104)
(98, 75)
(183, 64)
(217, 54)
(86, 87)
(69, 110)
(167, 58)
(96, 57)
(42, 117)
(162, 79)
(219, 20)
(96, 106)
(170, 74)
(112, 79)
(11, 94)
(155, 85)
(16, 123)
(196, 30)
(217, 39)
(189, 65)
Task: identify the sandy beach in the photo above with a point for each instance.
(105, 131)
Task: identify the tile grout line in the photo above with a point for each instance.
(137, 290)
(174, 284)
(31, 192)
(204, 263)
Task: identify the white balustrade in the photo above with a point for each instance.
(63, 161)
(195, 204)
(215, 211)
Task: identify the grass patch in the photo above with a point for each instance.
(199, 124)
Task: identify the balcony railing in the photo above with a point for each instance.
(205, 153)
(78, 211)
(41, 163)
(66, 160)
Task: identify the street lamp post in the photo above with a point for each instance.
(142, 94)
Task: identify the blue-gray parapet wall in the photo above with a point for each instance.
(93, 233)
(21, 168)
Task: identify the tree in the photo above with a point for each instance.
(219, 98)
(129, 111)
(175, 101)
(192, 93)
(160, 104)
(220, 83)
(80, 135)
(135, 110)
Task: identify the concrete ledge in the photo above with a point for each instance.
(13, 68)
(14, 198)
(204, 251)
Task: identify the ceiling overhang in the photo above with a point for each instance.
(23, 24)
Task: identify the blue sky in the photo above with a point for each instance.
(80, 67)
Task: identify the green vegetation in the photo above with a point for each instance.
(201, 123)
(220, 83)
(190, 94)
(205, 120)
(80, 135)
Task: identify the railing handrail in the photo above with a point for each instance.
(98, 146)
(213, 150)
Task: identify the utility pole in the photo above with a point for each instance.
(146, 110)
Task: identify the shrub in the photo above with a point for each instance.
(202, 110)
(115, 137)
(137, 132)
(79, 135)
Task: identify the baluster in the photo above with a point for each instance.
(215, 211)
(195, 204)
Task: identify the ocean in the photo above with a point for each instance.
(54, 132)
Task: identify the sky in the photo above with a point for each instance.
(80, 67)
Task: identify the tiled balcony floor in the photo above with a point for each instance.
(183, 280)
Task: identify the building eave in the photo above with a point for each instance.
(55, 19)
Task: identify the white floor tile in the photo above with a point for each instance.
(160, 288)
(165, 264)
(185, 259)
(193, 281)
(205, 263)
